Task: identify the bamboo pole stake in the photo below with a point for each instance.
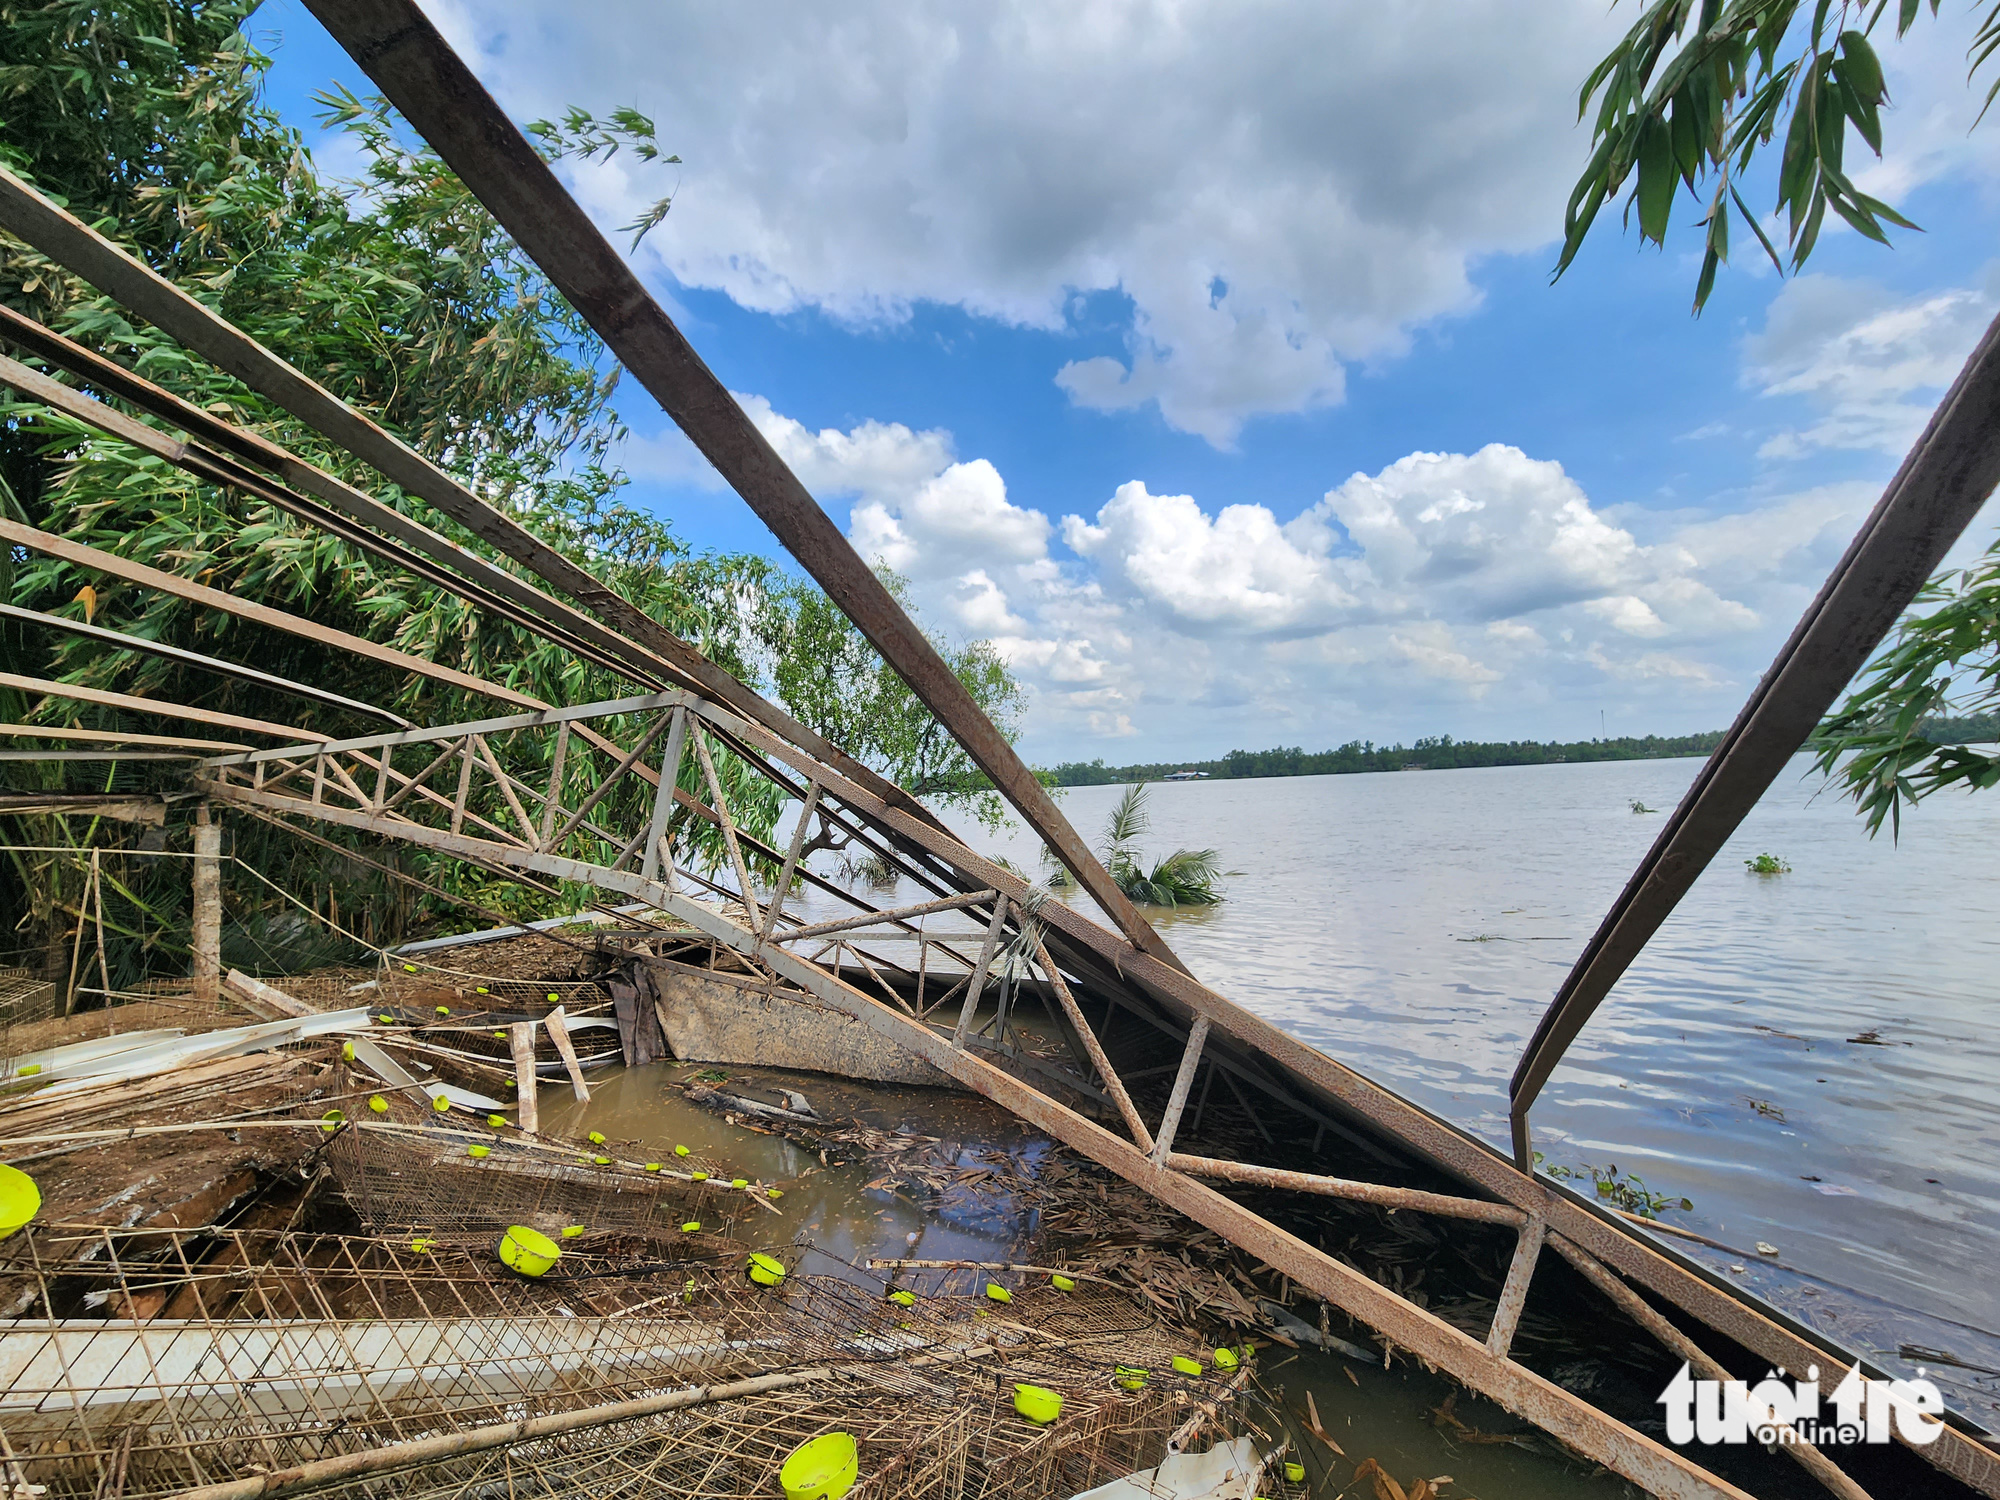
(559, 1033)
(207, 932)
(521, 1041)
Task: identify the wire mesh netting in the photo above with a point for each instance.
(152, 1361)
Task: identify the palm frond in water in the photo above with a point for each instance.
(1187, 877)
(1128, 819)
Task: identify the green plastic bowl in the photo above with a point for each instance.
(823, 1468)
(1295, 1473)
(1037, 1403)
(528, 1251)
(20, 1199)
(766, 1270)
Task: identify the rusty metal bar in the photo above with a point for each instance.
(115, 737)
(1170, 1122)
(415, 67)
(104, 698)
(792, 855)
(1680, 1345)
(1565, 1416)
(1442, 1204)
(1113, 1085)
(977, 982)
(1514, 1291)
(744, 893)
(552, 799)
(663, 800)
(124, 642)
(114, 566)
(214, 468)
(506, 784)
(603, 788)
(893, 914)
(1935, 494)
(489, 584)
(65, 239)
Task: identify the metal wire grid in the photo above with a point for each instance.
(242, 1351)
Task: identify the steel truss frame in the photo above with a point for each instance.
(418, 785)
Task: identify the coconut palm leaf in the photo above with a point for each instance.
(1130, 818)
(1187, 877)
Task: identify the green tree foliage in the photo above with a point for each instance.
(1890, 744)
(1431, 753)
(403, 296)
(1697, 88)
(1686, 100)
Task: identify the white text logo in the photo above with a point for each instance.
(1775, 1410)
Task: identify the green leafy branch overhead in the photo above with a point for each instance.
(1944, 660)
(1697, 88)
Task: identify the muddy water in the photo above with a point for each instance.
(1811, 1057)
(1369, 1411)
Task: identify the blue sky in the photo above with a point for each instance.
(1206, 360)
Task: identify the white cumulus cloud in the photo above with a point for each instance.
(1445, 590)
(1275, 190)
(1869, 363)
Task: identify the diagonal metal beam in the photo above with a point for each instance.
(131, 703)
(68, 241)
(1568, 1417)
(124, 641)
(1935, 494)
(114, 566)
(216, 469)
(894, 914)
(415, 67)
(252, 448)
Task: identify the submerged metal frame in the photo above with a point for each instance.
(691, 700)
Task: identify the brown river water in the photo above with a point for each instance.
(1810, 1057)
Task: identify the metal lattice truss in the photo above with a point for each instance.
(444, 788)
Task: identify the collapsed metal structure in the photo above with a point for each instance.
(1339, 1135)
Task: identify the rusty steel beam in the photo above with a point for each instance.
(123, 641)
(1931, 500)
(396, 45)
(219, 470)
(1442, 1204)
(128, 703)
(1569, 1418)
(251, 448)
(116, 737)
(1514, 1290)
(1681, 1346)
(895, 914)
(73, 244)
(114, 566)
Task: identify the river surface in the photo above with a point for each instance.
(1415, 926)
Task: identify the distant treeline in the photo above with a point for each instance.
(1440, 753)
(1973, 729)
